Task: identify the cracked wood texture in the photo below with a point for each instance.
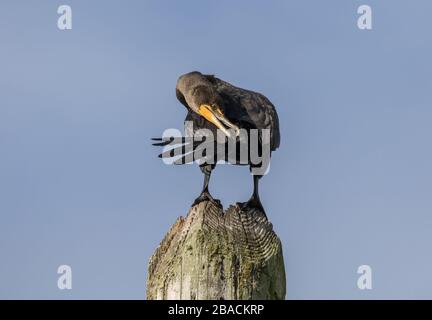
(213, 255)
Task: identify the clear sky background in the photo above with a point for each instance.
(81, 185)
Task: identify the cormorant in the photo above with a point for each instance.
(215, 104)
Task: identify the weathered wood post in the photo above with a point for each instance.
(210, 254)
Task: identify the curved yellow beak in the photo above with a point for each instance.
(215, 116)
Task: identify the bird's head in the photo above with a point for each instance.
(196, 92)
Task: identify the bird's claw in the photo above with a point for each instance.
(206, 196)
(253, 203)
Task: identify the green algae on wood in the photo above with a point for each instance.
(211, 254)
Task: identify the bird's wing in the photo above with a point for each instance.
(248, 107)
(194, 146)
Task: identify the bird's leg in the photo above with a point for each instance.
(205, 194)
(254, 201)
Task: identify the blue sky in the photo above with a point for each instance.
(81, 185)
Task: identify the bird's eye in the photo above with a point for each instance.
(217, 109)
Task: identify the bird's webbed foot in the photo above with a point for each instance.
(252, 203)
(206, 196)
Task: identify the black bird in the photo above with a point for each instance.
(215, 104)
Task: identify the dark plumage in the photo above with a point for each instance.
(215, 104)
